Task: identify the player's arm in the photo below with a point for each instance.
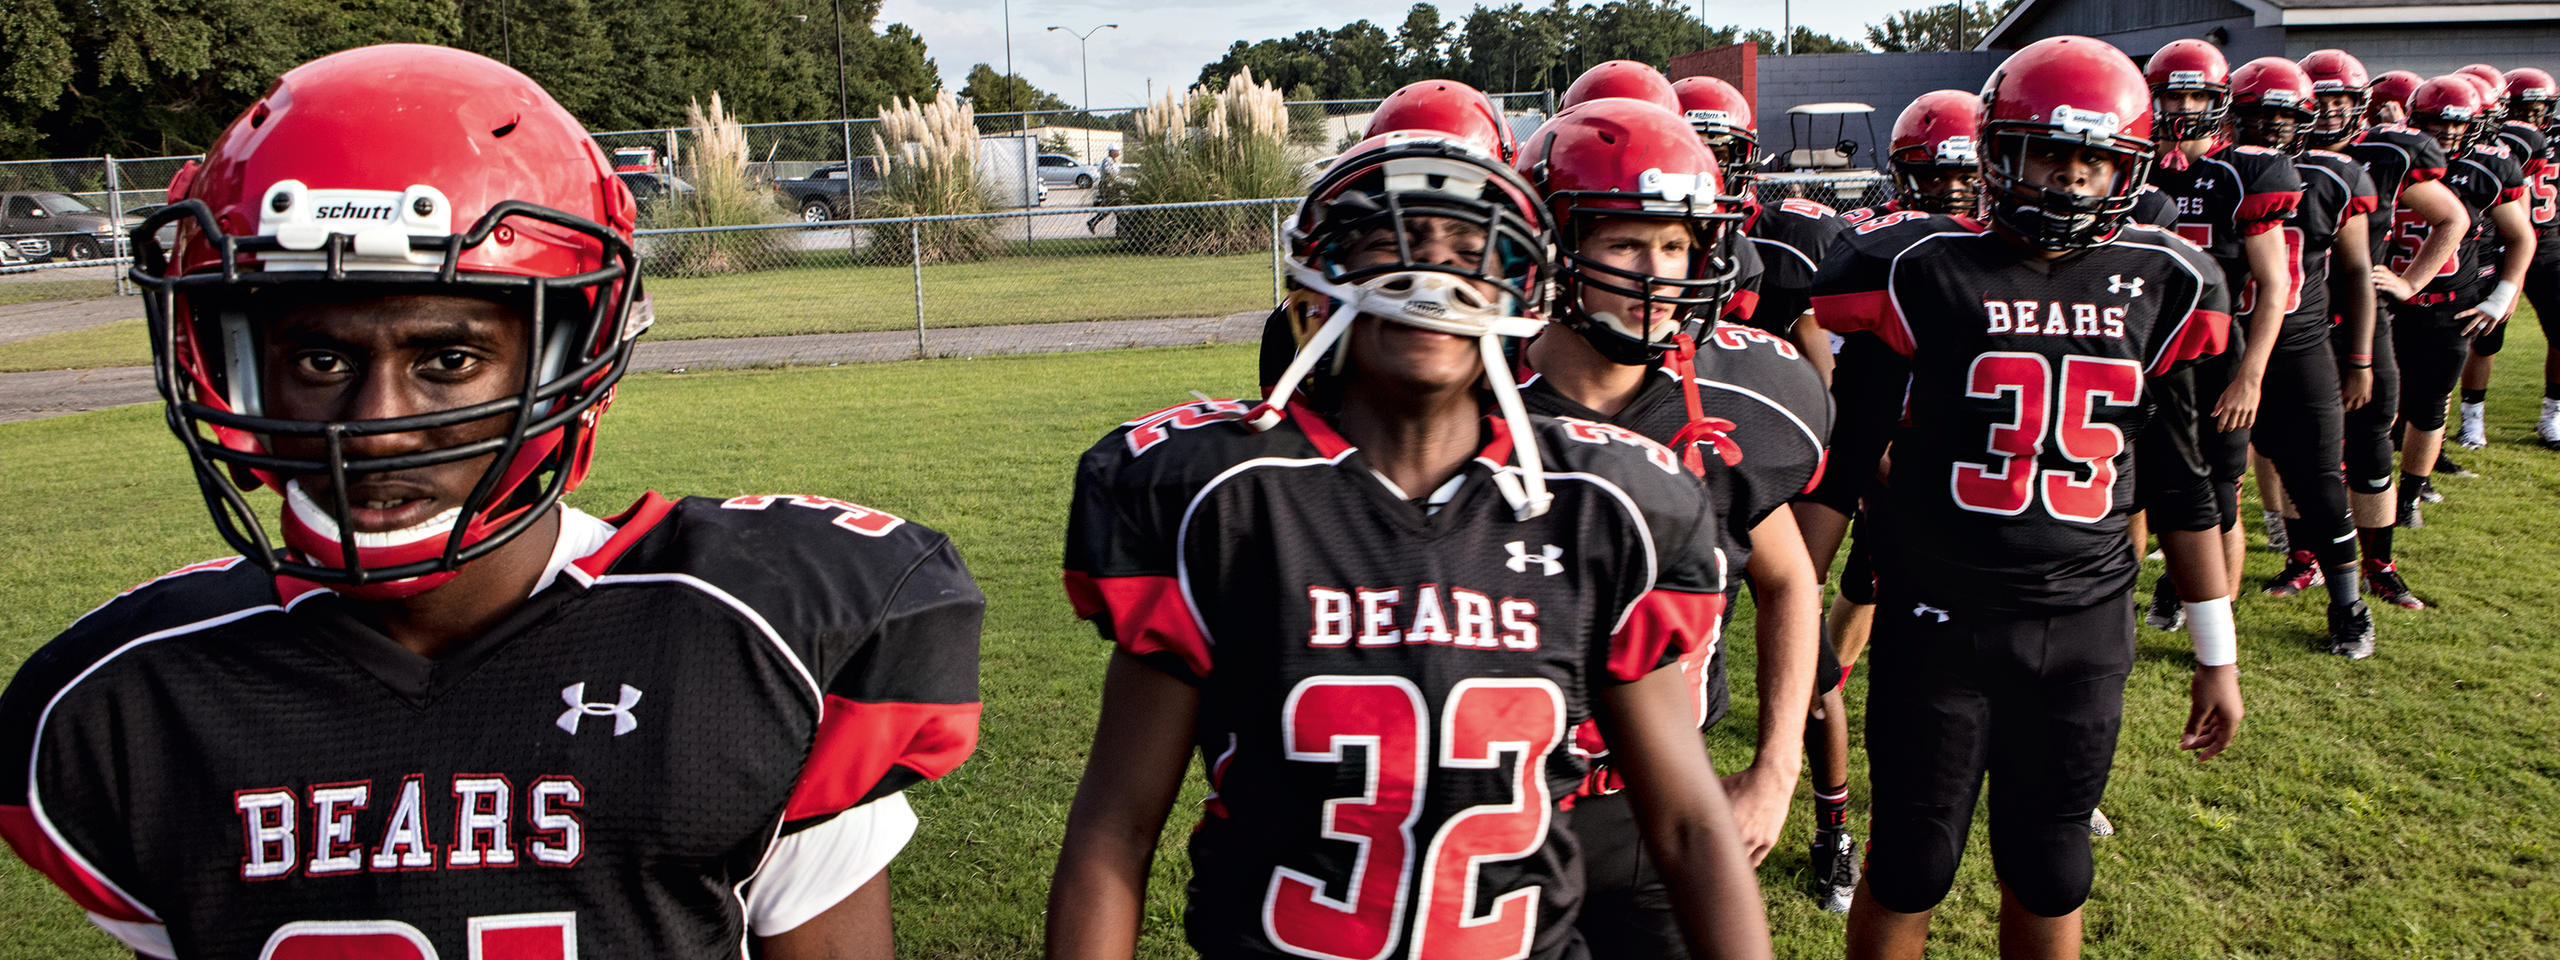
(1786, 599)
(856, 928)
(1815, 343)
(2213, 695)
(1141, 749)
(2270, 267)
(2354, 253)
(1652, 731)
(2447, 221)
(2515, 230)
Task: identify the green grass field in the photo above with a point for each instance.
(2404, 806)
(839, 299)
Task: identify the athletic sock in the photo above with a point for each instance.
(2297, 535)
(2344, 580)
(2551, 390)
(2409, 486)
(1831, 808)
(2475, 396)
(2376, 542)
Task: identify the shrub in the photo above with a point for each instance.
(932, 149)
(1229, 144)
(723, 196)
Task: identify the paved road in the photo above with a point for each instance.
(21, 321)
(53, 393)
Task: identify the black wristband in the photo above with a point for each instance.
(2367, 365)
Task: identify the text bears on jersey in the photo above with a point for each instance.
(2053, 318)
(274, 823)
(1373, 617)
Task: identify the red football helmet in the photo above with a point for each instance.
(2393, 88)
(1450, 107)
(2077, 92)
(380, 170)
(2493, 92)
(1615, 159)
(1621, 78)
(2190, 66)
(2337, 72)
(2271, 103)
(1933, 139)
(1721, 116)
(2531, 95)
(2449, 109)
(1384, 187)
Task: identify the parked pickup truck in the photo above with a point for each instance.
(823, 195)
(55, 226)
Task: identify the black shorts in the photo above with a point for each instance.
(2367, 430)
(1626, 909)
(2301, 428)
(2036, 704)
(2542, 289)
(2432, 350)
(1827, 675)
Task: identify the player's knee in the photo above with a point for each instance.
(2050, 876)
(1910, 877)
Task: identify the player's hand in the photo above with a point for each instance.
(2213, 711)
(2355, 387)
(1759, 797)
(2238, 407)
(2390, 285)
(2475, 323)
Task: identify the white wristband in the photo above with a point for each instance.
(2502, 298)
(2217, 640)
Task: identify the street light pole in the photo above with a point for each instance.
(1086, 68)
(844, 105)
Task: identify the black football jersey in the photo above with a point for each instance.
(2334, 188)
(1752, 271)
(2010, 483)
(2395, 156)
(2540, 158)
(1771, 417)
(1387, 691)
(249, 763)
(1790, 238)
(2229, 194)
(1870, 380)
(2155, 207)
(2482, 177)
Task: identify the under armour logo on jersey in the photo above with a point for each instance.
(1925, 610)
(2116, 283)
(575, 695)
(1521, 558)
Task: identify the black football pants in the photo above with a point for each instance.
(2301, 427)
(1626, 909)
(2432, 351)
(2370, 445)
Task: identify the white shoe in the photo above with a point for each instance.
(2474, 433)
(2548, 428)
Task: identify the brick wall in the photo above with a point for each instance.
(1737, 64)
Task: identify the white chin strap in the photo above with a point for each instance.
(1433, 301)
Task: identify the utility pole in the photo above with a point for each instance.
(1087, 69)
(844, 107)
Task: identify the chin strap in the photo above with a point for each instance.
(1715, 432)
(1527, 493)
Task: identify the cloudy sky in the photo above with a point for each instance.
(1170, 41)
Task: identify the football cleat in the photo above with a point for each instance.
(2474, 432)
(2277, 540)
(2301, 572)
(2099, 826)
(2425, 490)
(1835, 869)
(2547, 429)
(2383, 578)
(2446, 467)
(2166, 613)
(2351, 630)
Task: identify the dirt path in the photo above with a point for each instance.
(53, 393)
(21, 321)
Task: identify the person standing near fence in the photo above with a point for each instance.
(453, 716)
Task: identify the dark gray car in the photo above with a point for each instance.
(55, 226)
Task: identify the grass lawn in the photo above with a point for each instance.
(2404, 806)
(818, 299)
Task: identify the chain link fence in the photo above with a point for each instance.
(1842, 191)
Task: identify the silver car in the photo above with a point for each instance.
(1062, 170)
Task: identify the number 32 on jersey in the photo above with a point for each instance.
(2067, 412)
(1488, 724)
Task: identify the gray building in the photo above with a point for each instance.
(2430, 38)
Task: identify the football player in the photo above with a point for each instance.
(434, 711)
(2006, 631)
(2306, 395)
(2388, 96)
(2232, 200)
(1937, 181)
(2407, 169)
(2531, 97)
(2525, 102)
(1788, 236)
(1638, 203)
(1380, 609)
(2475, 291)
